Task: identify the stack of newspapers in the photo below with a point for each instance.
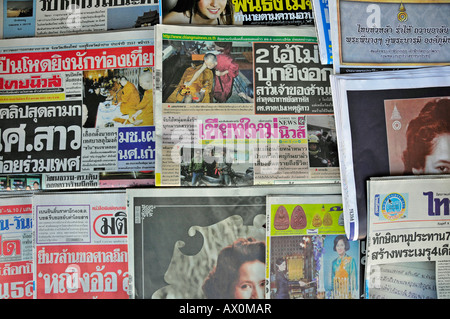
(284, 149)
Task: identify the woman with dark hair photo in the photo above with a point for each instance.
(344, 278)
(201, 12)
(239, 272)
(428, 140)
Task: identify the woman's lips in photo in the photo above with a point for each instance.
(214, 11)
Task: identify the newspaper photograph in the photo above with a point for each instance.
(321, 12)
(407, 241)
(34, 18)
(233, 110)
(80, 245)
(308, 254)
(74, 110)
(202, 243)
(389, 123)
(16, 257)
(237, 12)
(377, 35)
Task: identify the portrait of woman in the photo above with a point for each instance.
(344, 278)
(214, 12)
(239, 272)
(281, 279)
(428, 140)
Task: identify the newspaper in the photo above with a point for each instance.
(322, 22)
(77, 111)
(245, 115)
(407, 242)
(379, 126)
(16, 258)
(34, 18)
(308, 254)
(237, 12)
(384, 35)
(80, 245)
(174, 241)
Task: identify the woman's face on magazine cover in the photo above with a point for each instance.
(211, 9)
(251, 282)
(438, 161)
(340, 247)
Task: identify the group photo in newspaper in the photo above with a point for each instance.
(224, 149)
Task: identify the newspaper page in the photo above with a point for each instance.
(308, 254)
(377, 35)
(80, 245)
(409, 229)
(388, 123)
(237, 12)
(16, 258)
(322, 22)
(242, 110)
(34, 18)
(175, 243)
(77, 111)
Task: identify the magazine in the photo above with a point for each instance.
(242, 110)
(16, 257)
(308, 254)
(237, 12)
(34, 18)
(386, 35)
(177, 242)
(77, 111)
(80, 245)
(408, 234)
(383, 124)
(322, 22)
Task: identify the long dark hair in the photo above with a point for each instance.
(190, 8)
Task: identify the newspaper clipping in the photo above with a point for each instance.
(16, 257)
(409, 227)
(81, 245)
(242, 110)
(75, 112)
(34, 18)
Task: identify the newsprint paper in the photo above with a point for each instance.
(242, 106)
(175, 243)
(308, 254)
(377, 35)
(408, 252)
(39, 18)
(80, 245)
(77, 111)
(384, 122)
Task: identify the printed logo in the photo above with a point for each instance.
(393, 207)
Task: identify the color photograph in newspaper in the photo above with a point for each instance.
(308, 254)
(389, 123)
(258, 108)
(407, 241)
(16, 258)
(31, 18)
(236, 12)
(73, 110)
(380, 35)
(80, 242)
(194, 243)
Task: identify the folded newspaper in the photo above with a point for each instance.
(308, 255)
(194, 245)
(242, 106)
(377, 35)
(408, 236)
(77, 111)
(80, 245)
(389, 123)
(32, 18)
